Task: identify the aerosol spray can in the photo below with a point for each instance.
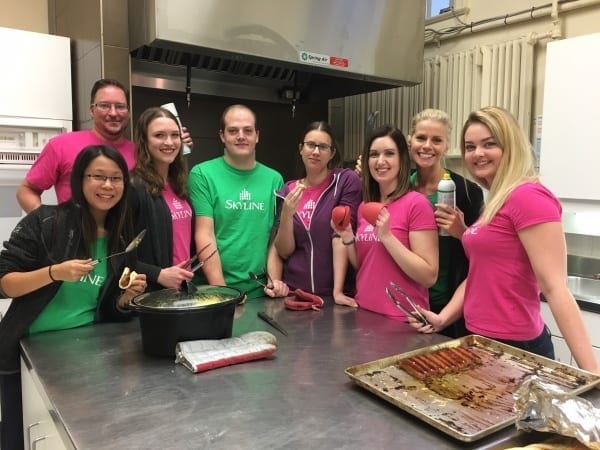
(171, 108)
(446, 194)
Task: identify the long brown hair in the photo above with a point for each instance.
(144, 165)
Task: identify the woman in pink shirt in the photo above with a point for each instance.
(160, 200)
(516, 249)
(401, 246)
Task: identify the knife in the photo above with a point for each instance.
(267, 318)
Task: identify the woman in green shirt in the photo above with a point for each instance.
(53, 268)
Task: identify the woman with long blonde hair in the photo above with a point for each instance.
(429, 143)
(516, 249)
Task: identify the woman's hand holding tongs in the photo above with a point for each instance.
(277, 288)
(173, 277)
(273, 288)
(434, 324)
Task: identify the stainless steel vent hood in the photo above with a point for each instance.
(276, 50)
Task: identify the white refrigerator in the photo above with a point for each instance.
(35, 104)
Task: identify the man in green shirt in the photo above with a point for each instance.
(234, 202)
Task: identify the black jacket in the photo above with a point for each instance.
(155, 252)
(469, 199)
(47, 235)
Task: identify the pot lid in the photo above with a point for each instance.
(173, 299)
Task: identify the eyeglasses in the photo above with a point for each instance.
(96, 177)
(312, 145)
(105, 106)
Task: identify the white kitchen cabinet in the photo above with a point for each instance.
(39, 428)
(562, 352)
(570, 118)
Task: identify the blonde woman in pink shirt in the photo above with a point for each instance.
(516, 249)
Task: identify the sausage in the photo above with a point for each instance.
(436, 357)
(446, 357)
(413, 368)
(430, 365)
(301, 300)
(469, 356)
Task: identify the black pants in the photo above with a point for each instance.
(454, 330)
(12, 412)
(541, 345)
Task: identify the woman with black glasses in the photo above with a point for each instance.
(314, 256)
(55, 269)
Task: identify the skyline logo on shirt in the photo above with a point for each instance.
(177, 204)
(473, 229)
(93, 279)
(367, 235)
(244, 202)
(307, 212)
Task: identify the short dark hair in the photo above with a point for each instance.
(104, 82)
(237, 106)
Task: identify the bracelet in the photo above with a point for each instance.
(350, 242)
(50, 273)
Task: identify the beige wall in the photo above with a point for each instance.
(574, 19)
(29, 15)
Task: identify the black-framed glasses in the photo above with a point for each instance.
(96, 177)
(321, 147)
(106, 106)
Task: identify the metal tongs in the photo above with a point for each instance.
(194, 263)
(256, 278)
(414, 313)
(130, 247)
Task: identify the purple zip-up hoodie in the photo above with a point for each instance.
(310, 266)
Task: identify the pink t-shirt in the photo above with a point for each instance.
(502, 294)
(181, 215)
(309, 200)
(376, 267)
(54, 165)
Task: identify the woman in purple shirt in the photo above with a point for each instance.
(313, 256)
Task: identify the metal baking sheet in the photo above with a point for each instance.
(473, 403)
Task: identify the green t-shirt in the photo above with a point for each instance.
(75, 303)
(440, 293)
(242, 205)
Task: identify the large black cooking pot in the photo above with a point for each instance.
(169, 316)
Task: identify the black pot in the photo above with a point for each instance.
(170, 316)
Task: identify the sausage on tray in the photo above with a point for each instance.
(440, 362)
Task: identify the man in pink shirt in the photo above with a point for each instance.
(110, 113)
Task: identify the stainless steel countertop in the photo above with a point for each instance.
(107, 394)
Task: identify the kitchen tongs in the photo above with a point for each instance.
(130, 247)
(414, 313)
(194, 263)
